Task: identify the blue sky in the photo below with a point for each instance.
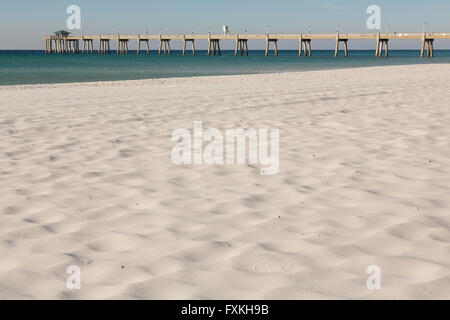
(24, 23)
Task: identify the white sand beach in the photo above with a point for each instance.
(364, 179)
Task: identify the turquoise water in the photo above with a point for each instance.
(29, 67)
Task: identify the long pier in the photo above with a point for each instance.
(65, 44)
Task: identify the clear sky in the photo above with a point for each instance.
(24, 23)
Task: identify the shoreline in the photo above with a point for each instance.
(179, 80)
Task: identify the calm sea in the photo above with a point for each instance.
(29, 67)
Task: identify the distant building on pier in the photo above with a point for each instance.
(62, 34)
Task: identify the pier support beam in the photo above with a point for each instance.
(70, 46)
(48, 45)
(377, 50)
(57, 46)
(192, 41)
(214, 44)
(122, 47)
(139, 45)
(104, 46)
(62, 46)
(300, 45)
(304, 46)
(423, 47)
(89, 45)
(430, 47)
(242, 46)
(275, 44)
(338, 40)
(382, 43)
(166, 44)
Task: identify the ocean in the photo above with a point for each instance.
(33, 67)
